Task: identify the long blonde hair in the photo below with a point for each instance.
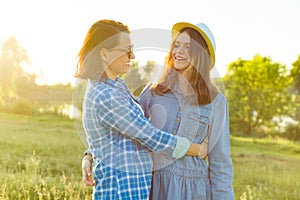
(197, 74)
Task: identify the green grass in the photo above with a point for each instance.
(266, 168)
(41, 158)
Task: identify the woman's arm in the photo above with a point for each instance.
(220, 163)
(116, 111)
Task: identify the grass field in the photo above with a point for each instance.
(41, 158)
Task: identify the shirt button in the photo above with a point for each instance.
(177, 120)
(174, 133)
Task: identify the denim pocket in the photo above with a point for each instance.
(198, 117)
(196, 124)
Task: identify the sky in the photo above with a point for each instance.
(52, 32)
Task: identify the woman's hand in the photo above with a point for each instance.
(87, 163)
(200, 150)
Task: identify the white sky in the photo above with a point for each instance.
(52, 31)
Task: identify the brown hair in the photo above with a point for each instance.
(90, 64)
(197, 74)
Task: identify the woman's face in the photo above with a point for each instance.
(119, 57)
(180, 52)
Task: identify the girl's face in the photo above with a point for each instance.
(180, 52)
(119, 57)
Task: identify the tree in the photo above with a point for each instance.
(295, 76)
(256, 92)
(148, 69)
(11, 58)
(134, 79)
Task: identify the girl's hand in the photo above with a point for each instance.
(200, 150)
(87, 163)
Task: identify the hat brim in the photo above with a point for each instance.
(179, 26)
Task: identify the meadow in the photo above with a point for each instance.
(41, 159)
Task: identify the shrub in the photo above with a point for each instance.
(292, 132)
(22, 106)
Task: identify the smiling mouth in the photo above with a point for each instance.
(180, 58)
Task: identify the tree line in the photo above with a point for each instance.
(19, 92)
(263, 95)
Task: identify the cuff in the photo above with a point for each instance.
(182, 145)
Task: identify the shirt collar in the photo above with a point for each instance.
(118, 83)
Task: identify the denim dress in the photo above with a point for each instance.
(191, 177)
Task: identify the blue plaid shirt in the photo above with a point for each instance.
(120, 139)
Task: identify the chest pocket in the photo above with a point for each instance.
(204, 119)
(194, 124)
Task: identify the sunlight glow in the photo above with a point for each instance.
(52, 31)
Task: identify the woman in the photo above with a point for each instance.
(187, 101)
(120, 138)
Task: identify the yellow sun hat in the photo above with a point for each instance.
(204, 31)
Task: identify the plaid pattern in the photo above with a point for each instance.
(114, 184)
(121, 138)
